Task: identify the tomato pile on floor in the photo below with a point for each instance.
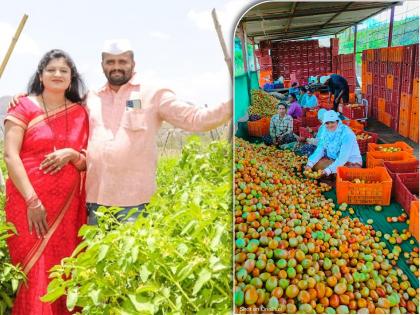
(296, 253)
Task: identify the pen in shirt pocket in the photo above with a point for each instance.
(134, 101)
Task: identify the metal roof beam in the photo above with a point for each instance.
(307, 30)
(292, 12)
(319, 11)
(333, 17)
(373, 14)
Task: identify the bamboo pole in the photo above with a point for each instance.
(228, 61)
(13, 43)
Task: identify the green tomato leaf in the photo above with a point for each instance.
(204, 276)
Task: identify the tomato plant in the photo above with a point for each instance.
(176, 260)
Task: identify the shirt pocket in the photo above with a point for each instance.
(134, 120)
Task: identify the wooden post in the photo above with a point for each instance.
(229, 64)
(13, 44)
(228, 59)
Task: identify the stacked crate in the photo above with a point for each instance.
(367, 81)
(390, 84)
(414, 116)
(347, 68)
(265, 62)
(408, 95)
(300, 59)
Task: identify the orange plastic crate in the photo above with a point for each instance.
(413, 227)
(259, 128)
(389, 81)
(363, 194)
(376, 158)
(354, 125)
(387, 119)
(304, 132)
(399, 144)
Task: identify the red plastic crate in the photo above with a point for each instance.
(354, 112)
(304, 132)
(296, 125)
(406, 189)
(363, 194)
(409, 52)
(404, 167)
(363, 143)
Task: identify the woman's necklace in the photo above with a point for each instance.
(49, 122)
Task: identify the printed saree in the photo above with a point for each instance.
(62, 195)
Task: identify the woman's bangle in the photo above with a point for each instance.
(33, 201)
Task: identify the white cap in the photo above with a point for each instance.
(117, 46)
(324, 79)
(330, 116)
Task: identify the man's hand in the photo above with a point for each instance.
(37, 219)
(56, 160)
(15, 100)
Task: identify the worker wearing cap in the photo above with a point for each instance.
(125, 117)
(338, 147)
(338, 86)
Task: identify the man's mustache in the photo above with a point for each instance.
(121, 71)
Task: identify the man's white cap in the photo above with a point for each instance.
(324, 79)
(330, 116)
(117, 46)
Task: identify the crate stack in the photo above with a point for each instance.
(367, 91)
(407, 79)
(300, 59)
(347, 69)
(265, 62)
(414, 115)
(390, 84)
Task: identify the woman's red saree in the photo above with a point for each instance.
(62, 195)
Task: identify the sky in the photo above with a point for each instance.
(175, 42)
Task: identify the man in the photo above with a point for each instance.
(338, 86)
(122, 150)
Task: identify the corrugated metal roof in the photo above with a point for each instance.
(298, 20)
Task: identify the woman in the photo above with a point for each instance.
(338, 147)
(281, 125)
(294, 88)
(294, 108)
(45, 135)
(310, 101)
(301, 97)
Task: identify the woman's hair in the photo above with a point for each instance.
(303, 89)
(281, 104)
(294, 84)
(311, 90)
(76, 92)
(293, 95)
